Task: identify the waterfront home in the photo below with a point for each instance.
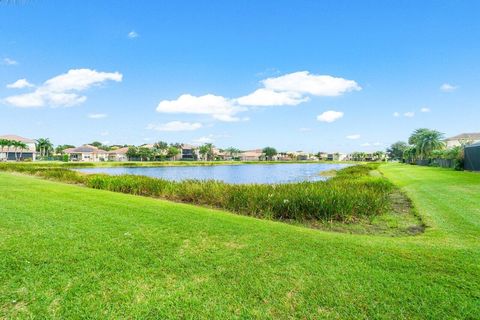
(13, 153)
(251, 155)
(188, 152)
(462, 139)
(322, 155)
(337, 156)
(87, 153)
(119, 154)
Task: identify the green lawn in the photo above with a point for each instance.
(70, 252)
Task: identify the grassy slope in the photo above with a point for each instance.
(67, 251)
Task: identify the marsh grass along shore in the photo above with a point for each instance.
(352, 195)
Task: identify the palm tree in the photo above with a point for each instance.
(44, 146)
(22, 146)
(10, 144)
(16, 144)
(415, 136)
(233, 152)
(3, 144)
(428, 141)
(409, 154)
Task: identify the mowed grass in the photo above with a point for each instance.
(72, 252)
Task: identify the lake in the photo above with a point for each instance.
(235, 174)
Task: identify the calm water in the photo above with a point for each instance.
(249, 173)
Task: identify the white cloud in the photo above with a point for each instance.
(425, 110)
(409, 114)
(378, 144)
(353, 137)
(267, 97)
(218, 107)
(104, 133)
(175, 126)
(396, 114)
(330, 116)
(306, 83)
(132, 34)
(290, 89)
(9, 62)
(57, 91)
(97, 115)
(205, 139)
(366, 144)
(20, 84)
(446, 87)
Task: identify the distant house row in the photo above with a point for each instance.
(187, 152)
(89, 153)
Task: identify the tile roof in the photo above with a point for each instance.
(17, 138)
(465, 136)
(119, 151)
(85, 149)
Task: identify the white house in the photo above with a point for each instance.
(118, 154)
(87, 153)
(12, 153)
(462, 139)
(251, 155)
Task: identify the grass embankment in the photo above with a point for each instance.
(351, 195)
(73, 252)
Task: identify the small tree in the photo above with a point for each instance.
(173, 152)
(395, 151)
(206, 151)
(132, 153)
(269, 152)
(145, 154)
(160, 149)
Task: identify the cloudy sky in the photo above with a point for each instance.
(296, 75)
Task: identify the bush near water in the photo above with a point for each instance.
(353, 193)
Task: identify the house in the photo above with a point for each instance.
(337, 156)
(322, 155)
(87, 153)
(188, 152)
(119, 154)
(285, 156)
(462, 139)
(12, 153)
(251, 155)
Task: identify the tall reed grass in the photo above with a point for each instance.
(353, 193)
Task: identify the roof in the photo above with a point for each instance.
(188, 146)
(17, 138)
(252, 153)
(119, 151)
(465, 136)
(85, 149)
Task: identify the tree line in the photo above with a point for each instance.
(18, 146)
(424, 146)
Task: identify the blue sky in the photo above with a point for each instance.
(114, 71)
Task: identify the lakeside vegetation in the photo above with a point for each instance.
(351, 195)
(74, 252)
(427, 147)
